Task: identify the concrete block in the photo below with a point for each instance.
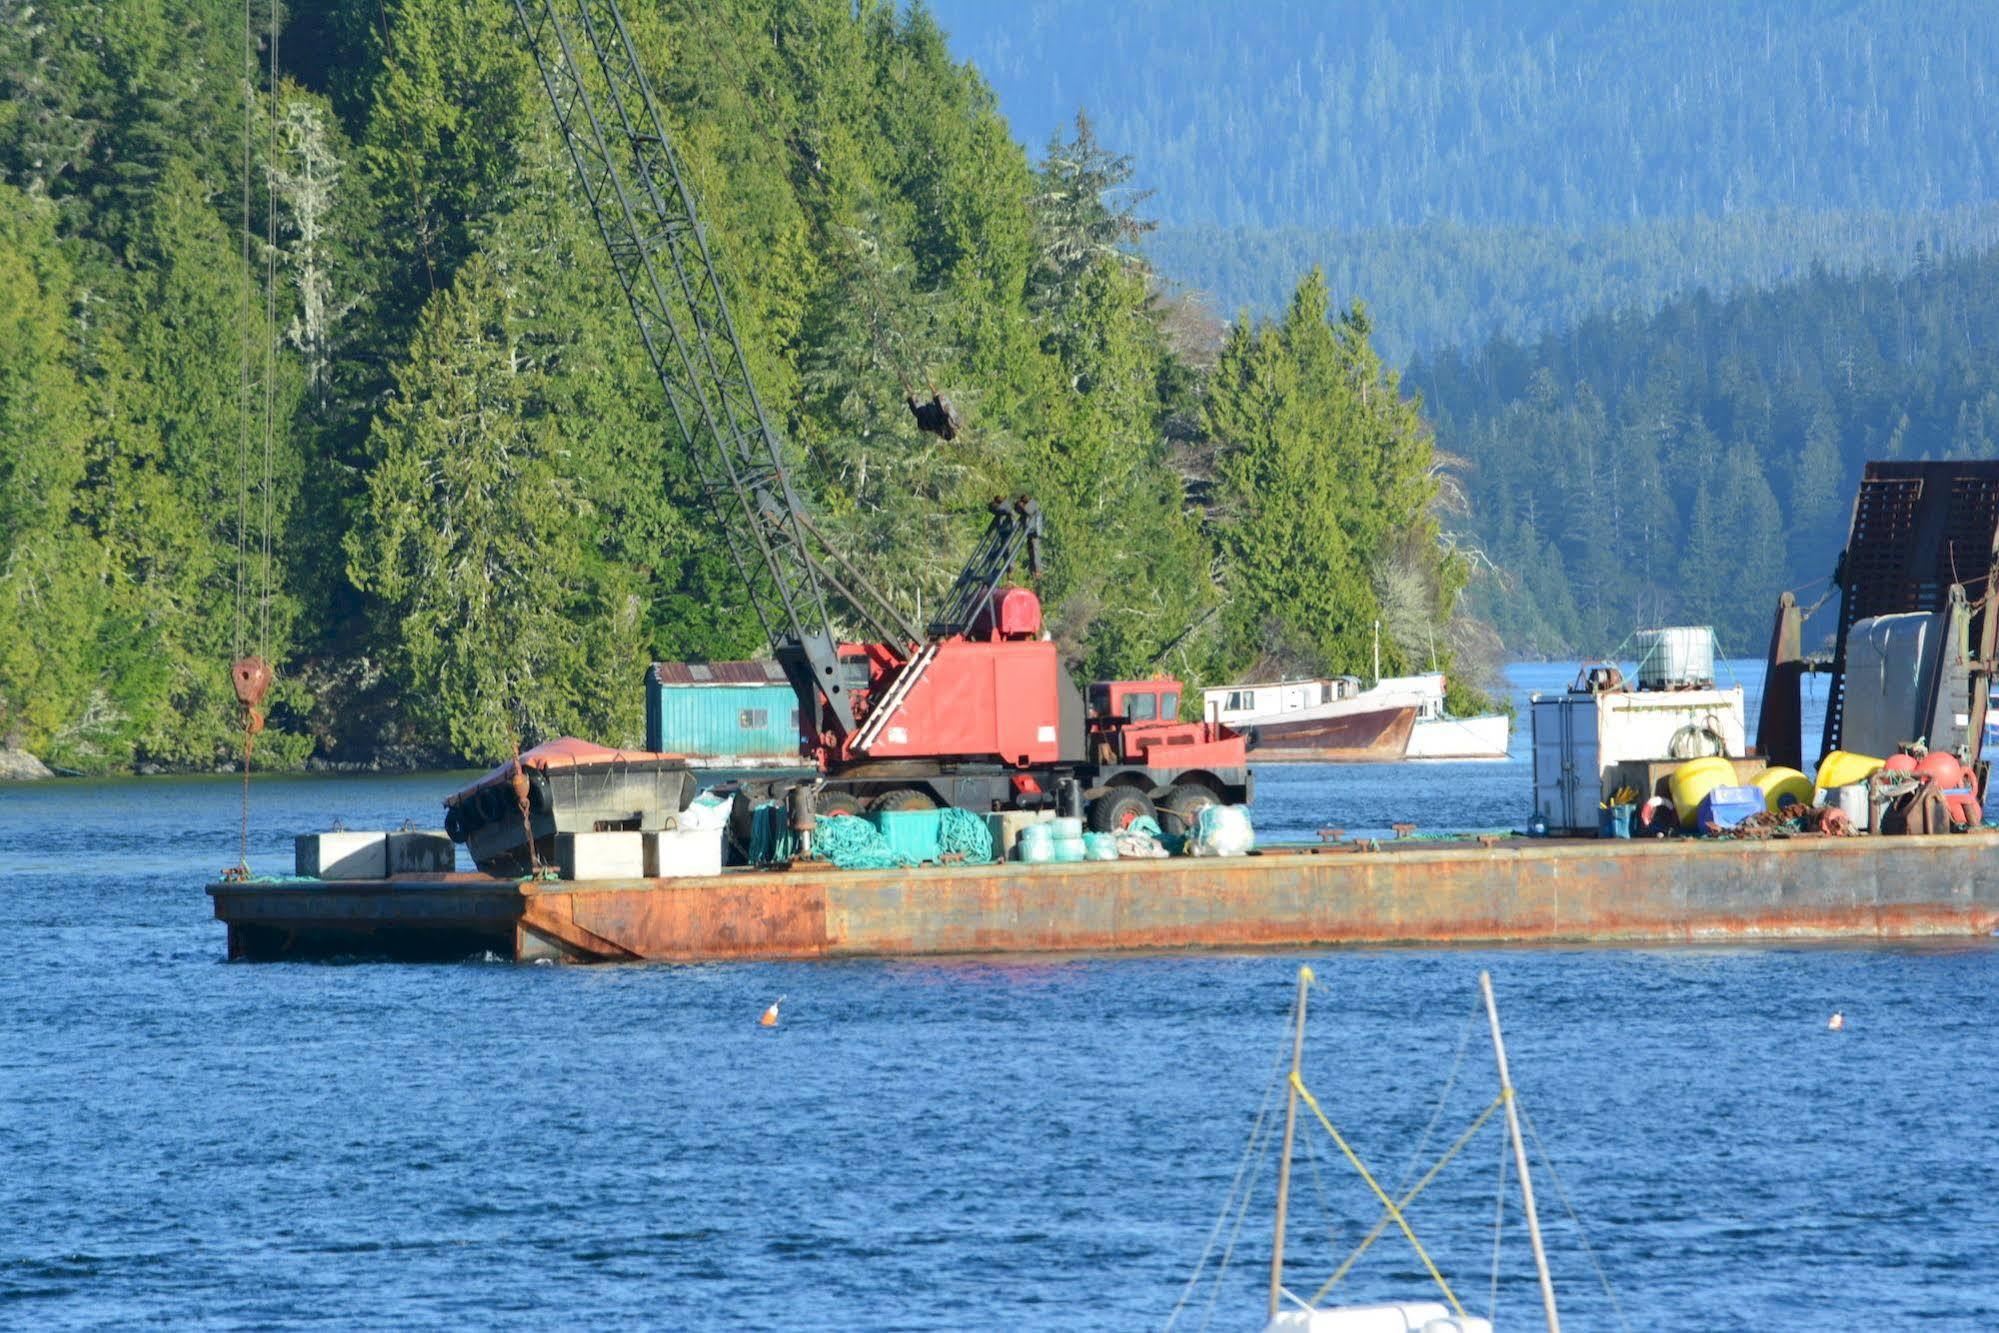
(421, 852)
(341, 855)
(683, 852)
(1005, 826)
(600, 855)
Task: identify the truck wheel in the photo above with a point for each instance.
(835, 802)
(901, 798)
(1182, 806)
(1116, 809)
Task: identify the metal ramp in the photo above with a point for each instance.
(1919, 529)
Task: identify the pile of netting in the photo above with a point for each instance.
(965, 837)
(852, 843)
(771, 838)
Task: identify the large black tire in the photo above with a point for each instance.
(1116, 809)
(902, 798)
(833, 801)
(1182, 805)
(540, 798)
(454, 823)
(493, 803)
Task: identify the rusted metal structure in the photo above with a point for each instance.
(1924, 539)
(1453, 893)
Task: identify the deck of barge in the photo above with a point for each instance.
(1398, 893)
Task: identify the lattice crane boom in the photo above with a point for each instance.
(646, 214)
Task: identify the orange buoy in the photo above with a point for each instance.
(769, 1020)
(1836, 1024)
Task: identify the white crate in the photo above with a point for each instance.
(674, 852)
(341, 855)
(600, 855)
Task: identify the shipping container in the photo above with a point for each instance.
(1579, 738)
(723, 714)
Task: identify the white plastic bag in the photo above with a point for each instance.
(1222, 830)
(706, 811)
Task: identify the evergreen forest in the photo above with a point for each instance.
(1690, 464)
(309, 349)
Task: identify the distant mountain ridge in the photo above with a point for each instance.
(1542, 112)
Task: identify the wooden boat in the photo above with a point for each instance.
(1328, 720)
(1335, 720)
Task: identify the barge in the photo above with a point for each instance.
(1475, 891)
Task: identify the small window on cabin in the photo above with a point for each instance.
(1169, 705)
(750, 719)
(1241, 699)
(1141, 707)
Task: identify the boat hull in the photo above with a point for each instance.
(1365, 735)
(1517, 890)
(1461, 737)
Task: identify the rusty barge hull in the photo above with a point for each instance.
(1433, 893)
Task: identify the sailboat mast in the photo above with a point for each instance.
(1290, 1130)
(1520, 1157)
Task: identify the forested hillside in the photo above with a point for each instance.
(307, 347)
(1471, 168)
(1689, 465)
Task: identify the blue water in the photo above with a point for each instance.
(1019, 1144)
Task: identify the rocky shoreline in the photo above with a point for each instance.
(20, 766)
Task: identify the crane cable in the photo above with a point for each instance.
(938, 416)
(250, 673)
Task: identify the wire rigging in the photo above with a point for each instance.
(937, 416)
(1562, 1193)
(1258, 1138)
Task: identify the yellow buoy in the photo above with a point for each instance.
(1782, 787)
(1843, 768)
(1693, 780)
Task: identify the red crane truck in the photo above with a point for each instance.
(973, 709)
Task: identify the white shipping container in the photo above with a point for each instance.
(1578, 738)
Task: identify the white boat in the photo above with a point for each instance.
(1438, 735)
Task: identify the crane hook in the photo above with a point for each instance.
(936, 417)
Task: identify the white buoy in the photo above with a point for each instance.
(1837, 1023)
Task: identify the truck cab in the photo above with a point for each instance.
(1144, 761)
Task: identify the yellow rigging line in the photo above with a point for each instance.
(1305, 1094)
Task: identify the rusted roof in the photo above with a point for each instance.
(718, 673)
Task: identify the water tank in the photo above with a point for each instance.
(1678, 658)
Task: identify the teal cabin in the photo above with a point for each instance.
(723, 714)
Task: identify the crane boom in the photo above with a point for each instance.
(646, 215)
